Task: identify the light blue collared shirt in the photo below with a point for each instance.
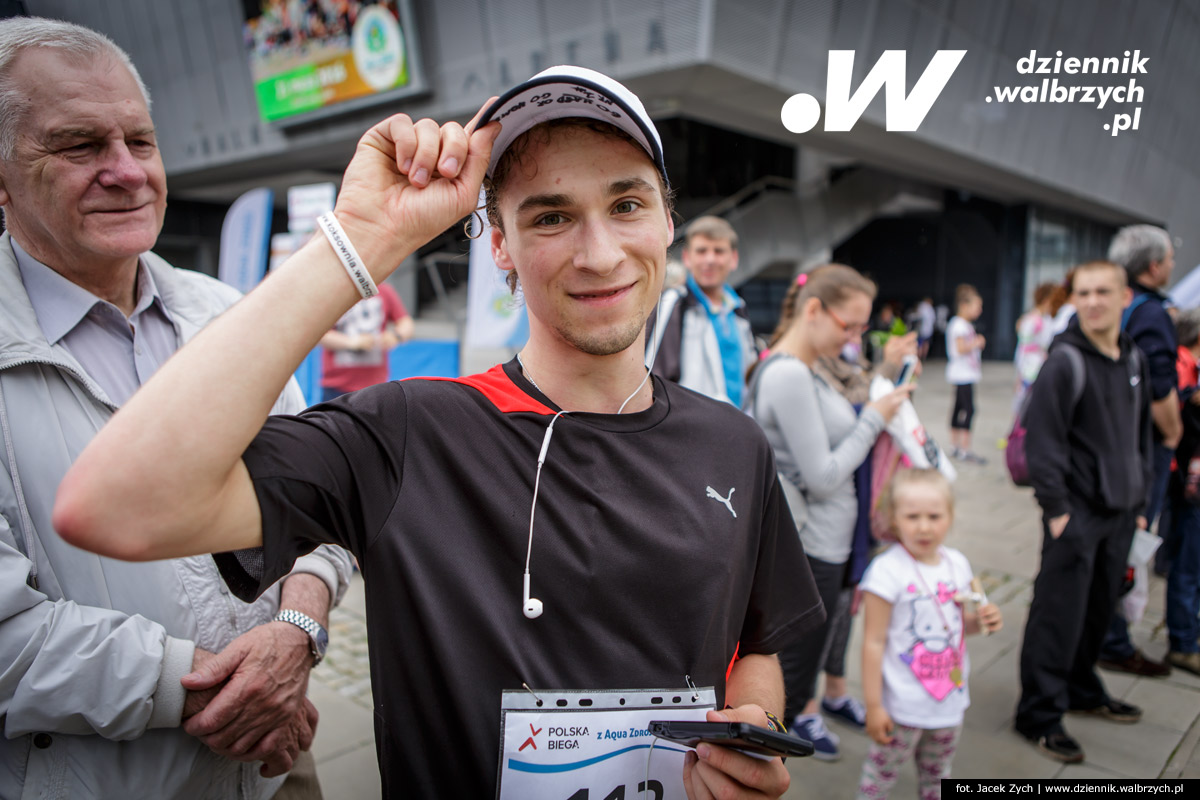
(119, 353)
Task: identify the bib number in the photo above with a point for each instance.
(580, 745)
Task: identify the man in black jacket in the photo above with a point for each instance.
(1089, 450)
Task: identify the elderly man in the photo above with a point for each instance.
(1148, 256)
(635, 577)
(101, 661)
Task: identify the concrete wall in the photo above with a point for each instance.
(731, 63)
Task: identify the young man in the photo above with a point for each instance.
(1088, 446)
(963, 370)
(704, 341)
(643, 575)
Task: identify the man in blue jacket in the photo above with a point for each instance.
(704, 341)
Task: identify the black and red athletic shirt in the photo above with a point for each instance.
(644, 576)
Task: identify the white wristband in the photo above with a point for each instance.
(347, 255)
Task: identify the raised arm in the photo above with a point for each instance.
(164, 478)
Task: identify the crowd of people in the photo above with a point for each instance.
(706, 509)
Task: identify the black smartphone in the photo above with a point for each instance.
(738, 735)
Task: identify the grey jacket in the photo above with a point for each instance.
(92, 649)
(818, 443)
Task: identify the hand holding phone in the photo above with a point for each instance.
(908, 371)
(737, 735)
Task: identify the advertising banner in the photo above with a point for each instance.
(307, 56)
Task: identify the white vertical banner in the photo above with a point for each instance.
(244, 237)
(495, 318)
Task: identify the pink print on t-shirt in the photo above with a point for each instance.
(932, 656)
(933, 670)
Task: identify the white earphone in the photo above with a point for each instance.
(531, 606)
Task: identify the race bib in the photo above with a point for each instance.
(580, 745)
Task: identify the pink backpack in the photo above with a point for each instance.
(1014, 449)
(886, 458)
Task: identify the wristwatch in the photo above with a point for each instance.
(318, 638)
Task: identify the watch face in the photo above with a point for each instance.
(322, 640)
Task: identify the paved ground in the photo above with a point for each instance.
(997, 529)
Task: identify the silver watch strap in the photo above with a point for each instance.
(310, 626)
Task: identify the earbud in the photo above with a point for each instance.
(533, 606)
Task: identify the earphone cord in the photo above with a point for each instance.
(537, 480)
(653, 355)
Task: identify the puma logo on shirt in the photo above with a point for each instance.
(726, 500)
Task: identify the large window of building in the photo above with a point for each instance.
(1057, 241)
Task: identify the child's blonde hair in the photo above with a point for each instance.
(910, 476)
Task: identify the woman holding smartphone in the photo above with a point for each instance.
(819, 442)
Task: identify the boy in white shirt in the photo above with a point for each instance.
(963, 370)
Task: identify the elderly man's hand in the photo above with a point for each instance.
(713, 771)
(409, 181)
(280, 747)
(264, 673)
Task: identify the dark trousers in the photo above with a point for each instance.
(802, 660)
(1183, 581)
(1117, 644)
(1073, 598)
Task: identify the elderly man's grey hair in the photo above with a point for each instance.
(21, 33)
(1187, 327)
(1136, 247)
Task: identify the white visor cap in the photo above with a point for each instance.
(567, 91)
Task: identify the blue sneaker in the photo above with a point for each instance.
(824, 741)
(847, 710)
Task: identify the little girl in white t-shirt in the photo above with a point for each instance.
(915, 664)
